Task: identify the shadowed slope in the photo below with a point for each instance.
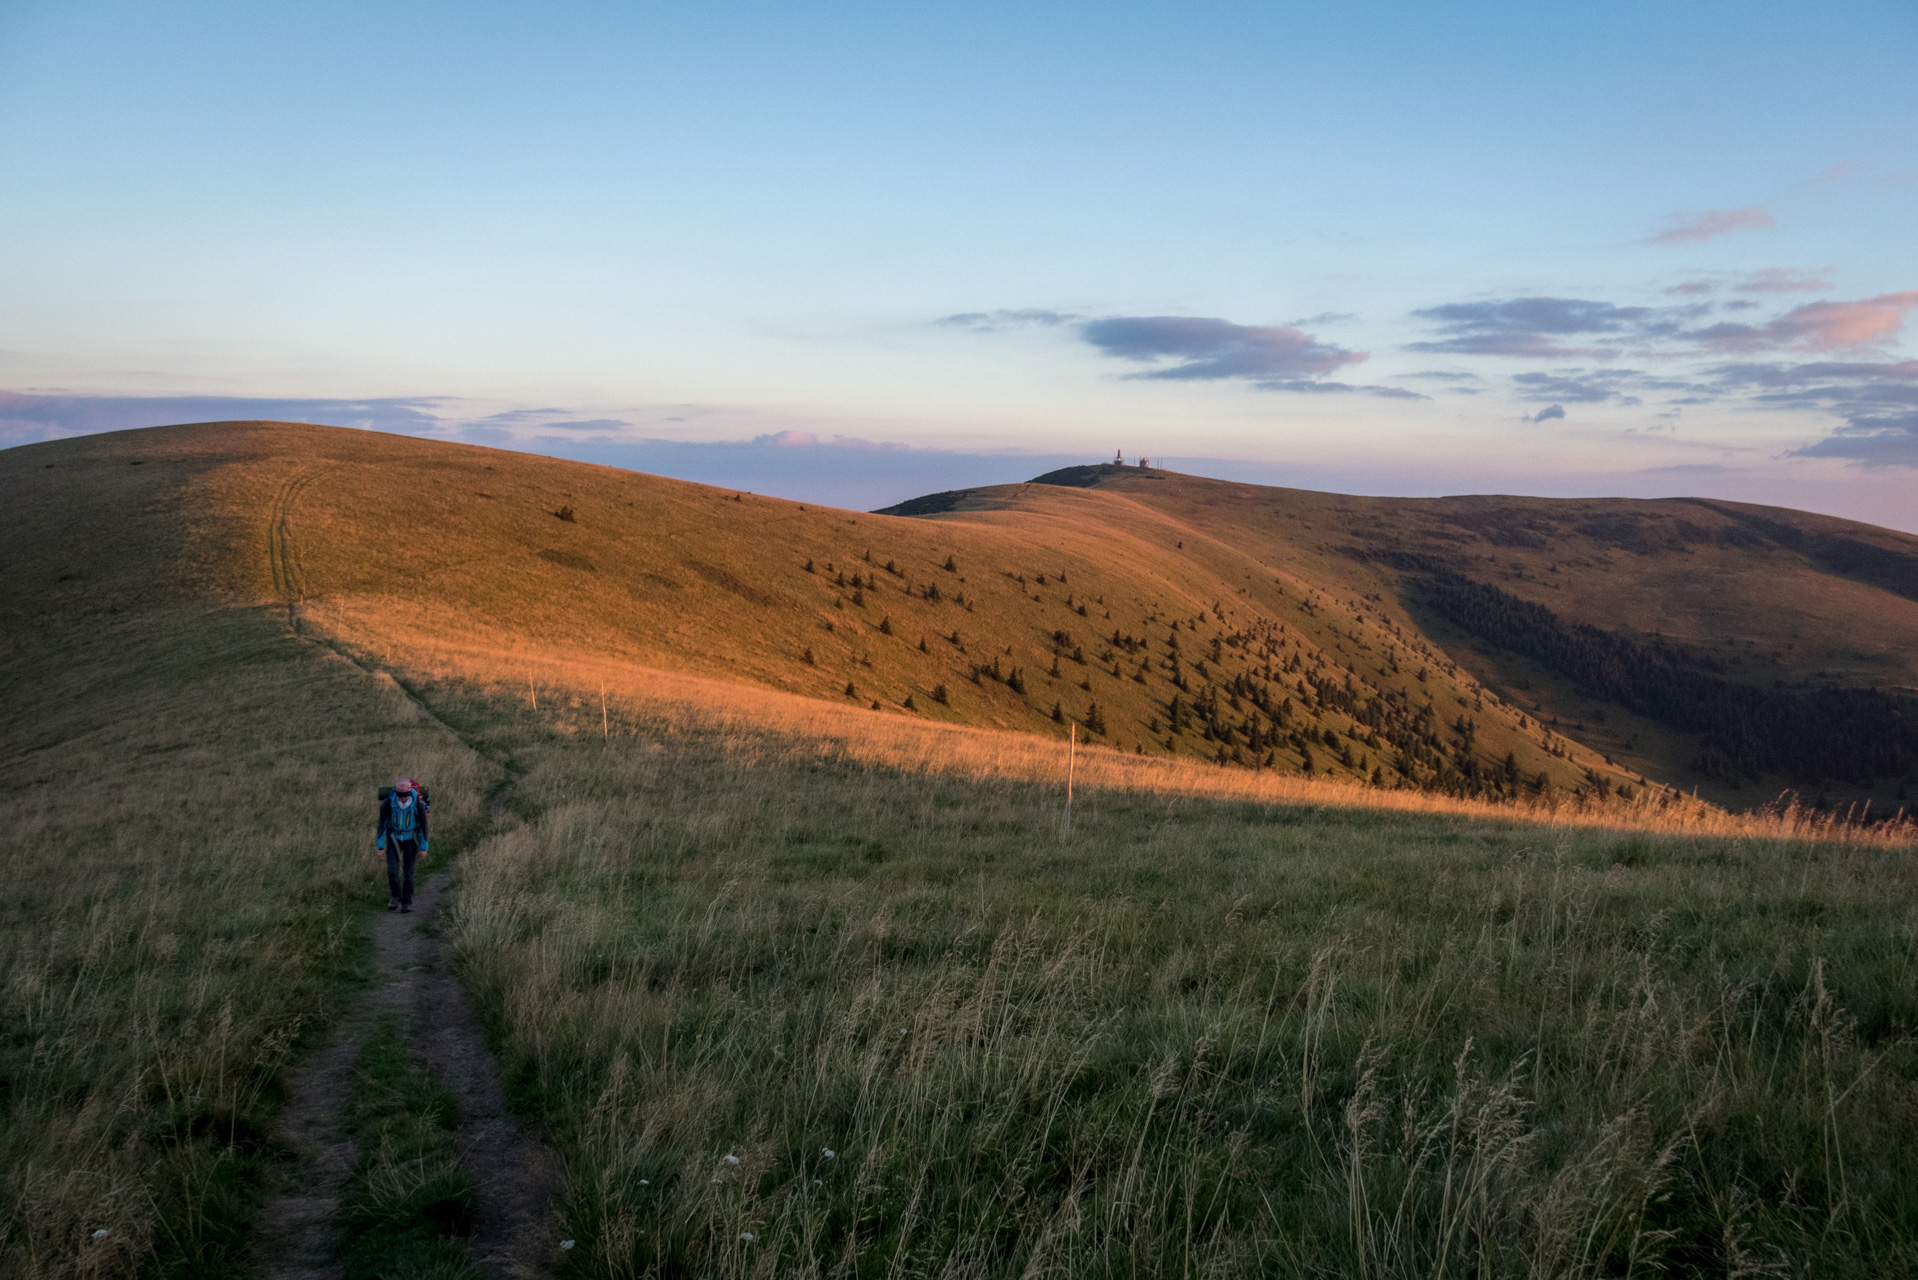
(1763, 598)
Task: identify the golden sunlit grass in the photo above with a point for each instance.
(799, 1011)
(674, 576)
(674, 701)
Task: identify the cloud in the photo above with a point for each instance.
(1205, 349)
(27, 417)
(1877, 402)
(992, 321)
(1209, 349)
(1818, 326)
(1574, 385)
(1890, 441)
(809, 440)
(1549, 412)
(522, 421)
(1764, 280)
(1785, 280)
(1536, 327)
(1799, 375)
(1599, 386)
(1341, 388)
(1714, 223)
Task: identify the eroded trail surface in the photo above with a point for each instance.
(516, 1236)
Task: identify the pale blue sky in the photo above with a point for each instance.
(1166, 229)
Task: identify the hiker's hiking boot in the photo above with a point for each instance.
(406, 910)
(392, 904)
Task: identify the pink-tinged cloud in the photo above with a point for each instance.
(1785, 280)
(1819, 326)
(1716, 222)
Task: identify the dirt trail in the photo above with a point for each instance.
(517, 1177)
(516, 1238)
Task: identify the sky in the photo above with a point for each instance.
(853, 252)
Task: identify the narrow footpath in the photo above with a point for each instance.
(516, 1237)
(517, 1233)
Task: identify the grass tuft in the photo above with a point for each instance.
(409, 1199)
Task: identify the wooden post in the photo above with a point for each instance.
(1072, 750)
(605, 733)
(531, 692)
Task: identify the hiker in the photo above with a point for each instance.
(403, 808)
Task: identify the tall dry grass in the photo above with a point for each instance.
(672, 701)
(189, 832)
(1198, 1036)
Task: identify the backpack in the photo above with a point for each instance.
(419, 789)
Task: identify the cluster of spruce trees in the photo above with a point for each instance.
(1252, 716)
(1851, 734)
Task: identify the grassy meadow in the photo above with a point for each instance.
(791, 1013)
(797, 986)
(187, 853)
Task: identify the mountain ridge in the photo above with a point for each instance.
(1167, 614)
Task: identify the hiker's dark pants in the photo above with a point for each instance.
(400, 857)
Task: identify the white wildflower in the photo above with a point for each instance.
(747, 1236)
(829, 1153)
(566, 1244)
(101, 1234)
(731, 1159)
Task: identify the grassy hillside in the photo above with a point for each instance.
(1168, 616)
(188, 834)
(1278, 1032)
(1778, 601)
